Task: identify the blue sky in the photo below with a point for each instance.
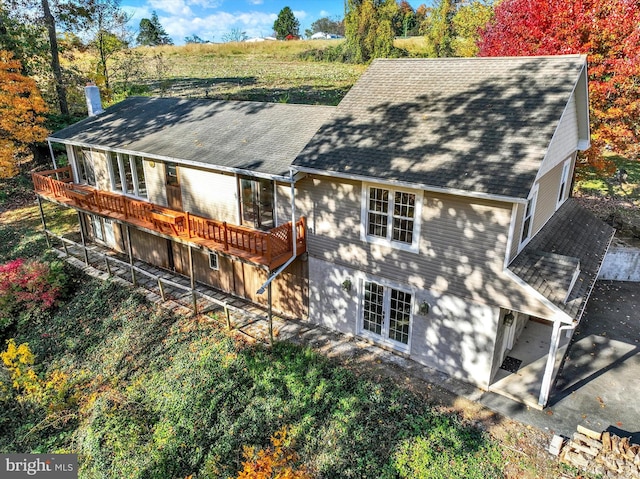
(212, 19)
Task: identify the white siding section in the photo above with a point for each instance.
(101, 169)
(565, 140)
(156, 190)
(457, 336)
(209, 194)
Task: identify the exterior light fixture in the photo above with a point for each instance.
(424, 308)
(346, 285)
(508, 318)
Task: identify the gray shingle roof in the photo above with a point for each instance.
(473, 124)
(572, 238)
(261, 137)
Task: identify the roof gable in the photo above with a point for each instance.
(481, 125)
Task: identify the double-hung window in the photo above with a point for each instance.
(391, 216)
(564, 183)
(84, 166)
(527, 222)
(386, 314)
(127, 174)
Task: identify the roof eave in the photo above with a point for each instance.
(412, 185)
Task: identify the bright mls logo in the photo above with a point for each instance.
(49, 466)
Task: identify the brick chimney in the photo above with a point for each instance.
(94, 103)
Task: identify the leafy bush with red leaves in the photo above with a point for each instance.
(28, 287)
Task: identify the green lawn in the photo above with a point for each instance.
(139, 392)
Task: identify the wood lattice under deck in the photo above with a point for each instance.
(266, 248)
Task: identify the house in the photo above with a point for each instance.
(432, 207)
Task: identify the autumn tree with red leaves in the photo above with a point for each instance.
(21, 110)
(608, 32)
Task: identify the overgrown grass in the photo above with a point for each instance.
(139, 392)
(156, 395)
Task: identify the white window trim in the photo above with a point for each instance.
(97, 228)
(212, 255)
(79, 179)
(384, 337)
(123, 177)
(533, 197)
(417, 221)
(564, 180)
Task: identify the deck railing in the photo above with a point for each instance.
(265, 247)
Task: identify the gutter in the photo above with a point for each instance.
(413, 186)
(294, 235)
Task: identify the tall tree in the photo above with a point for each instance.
(152, 33)
(286, 25)
(21, 110)
(55, 57)
(607, 31)
(327, 25)
(405, 20)
(369, 28)
(439, 28)
(467, 22)
(106, 25)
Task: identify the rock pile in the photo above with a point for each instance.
(603, 454)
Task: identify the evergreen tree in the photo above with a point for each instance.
(286, 25)
(152, 33)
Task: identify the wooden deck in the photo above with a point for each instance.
(266, 248)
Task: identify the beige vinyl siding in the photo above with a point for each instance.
(565, 139)
(283, 203)
(463, 244)
(454, 254)
(154, 176)
(209, 194)
(548, 191)
(101, 169)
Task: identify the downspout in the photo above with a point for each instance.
(545, 389)
(294, 234)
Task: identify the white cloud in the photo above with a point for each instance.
(255, 2)
(214, 27)
(300, 14)
(174, 7)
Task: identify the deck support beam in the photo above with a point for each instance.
(270, 314)
(130, 251)
(84, 241)
(192, 277)
(44, 222)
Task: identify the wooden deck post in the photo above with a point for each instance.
(44, 223)
(130, 251)
(224, 233)
(228, 316)
(161, 288)
(84, 242)
(193, 282)
(270, 314)
(106, 262)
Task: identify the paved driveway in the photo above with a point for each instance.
(599, 386)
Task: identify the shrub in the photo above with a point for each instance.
(274, 462)
(29, 287)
